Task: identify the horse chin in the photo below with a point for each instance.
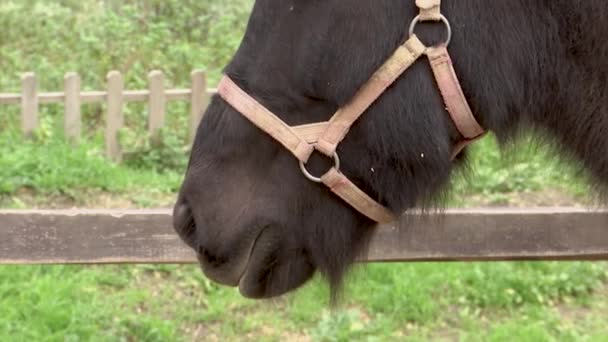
(272, 271)
(231, 274)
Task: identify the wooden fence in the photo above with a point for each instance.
(146, 236)
(89, 236)
(114, 96)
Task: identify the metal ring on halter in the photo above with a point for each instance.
(443, 19)
(316, 179)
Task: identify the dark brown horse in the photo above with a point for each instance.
(256, 222)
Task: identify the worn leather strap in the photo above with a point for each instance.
(453, 97)
(351, 194)
(430, 10)
(311, 132)
(343, 119)
(452, 94)
(264, 119)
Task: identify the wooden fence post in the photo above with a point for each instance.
(157, 105)
(29, 104)
(72, 116)
(198, 102)
(114, 119)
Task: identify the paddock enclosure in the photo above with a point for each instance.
(147, 236)
(115, 96)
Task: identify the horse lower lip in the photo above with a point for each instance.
(219, 276)
(232, 278)
(272, 272)
(255, 258)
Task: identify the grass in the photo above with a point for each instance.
(527, 301)
(58, 170)
(382, 302)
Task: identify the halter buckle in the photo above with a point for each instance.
(444, 20)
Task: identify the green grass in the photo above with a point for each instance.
(425, 301)
(58, 168)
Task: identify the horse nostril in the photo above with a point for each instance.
(209, 258)
(183, 220)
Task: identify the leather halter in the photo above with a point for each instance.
(325, 137)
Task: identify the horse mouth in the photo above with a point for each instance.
(273, 271)
(267, 269)
(230, 274)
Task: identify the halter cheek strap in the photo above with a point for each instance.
(453, 97)
(325, 137)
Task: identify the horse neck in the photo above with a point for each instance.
(542, 66)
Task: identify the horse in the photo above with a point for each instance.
(256, 220)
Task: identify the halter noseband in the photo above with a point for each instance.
(325, 137)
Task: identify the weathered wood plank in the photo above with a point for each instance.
(94, 96)
(178, 94)
(53, 97)
(114, 118)
(10, 98)
(66, 237)
(100, 96)
(201, 94)
(156, 104)
(29, 104)
(102, 236)
(72, 115)
(136, 95)
(199, 101)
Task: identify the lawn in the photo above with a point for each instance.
(499, 301)
(529, 301)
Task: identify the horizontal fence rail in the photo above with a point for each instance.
(146, 236)
(114, 96)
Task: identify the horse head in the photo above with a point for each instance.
(245, 206)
